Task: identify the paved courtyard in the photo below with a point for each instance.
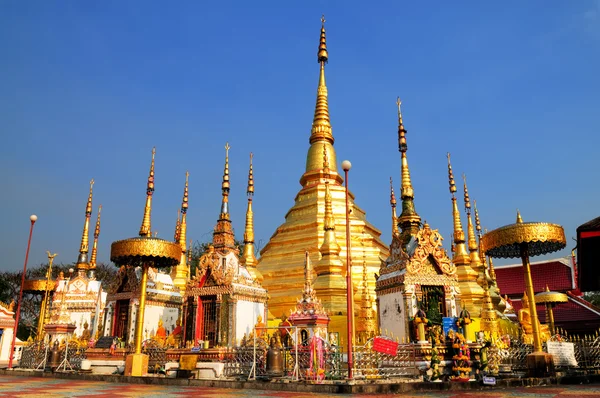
(12, 386)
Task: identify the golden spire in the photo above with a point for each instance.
(179, 273)
(96, 236)
(248, 258)
(82, 260)
(519, 219)
(395, 231)
(321, 131)
(460, 252)
(177, 226)
(409, 220)
(225, 186)
(146, 228)
(223, 237)
(479, 233)
(183, 224)
(492, 271)
(475, 259)
(321, 127)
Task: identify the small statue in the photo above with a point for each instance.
(527, 326)
(85, 335)
(161, 332)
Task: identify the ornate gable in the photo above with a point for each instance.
(429, 256)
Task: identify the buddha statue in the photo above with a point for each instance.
(86, 334)
(161, 333)
(527, 326)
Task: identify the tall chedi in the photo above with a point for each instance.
(180, 272)
(95, 245)
(248, 258)
(83, 261)
(282, 259)
(471, 291)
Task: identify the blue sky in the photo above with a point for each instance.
(510, 88)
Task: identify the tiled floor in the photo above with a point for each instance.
(11, 386)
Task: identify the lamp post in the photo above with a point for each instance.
(33, 219)
(346, 166)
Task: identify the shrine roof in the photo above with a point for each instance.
(557, 274)
(576, 309)
(592, 225)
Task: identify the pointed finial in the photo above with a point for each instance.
(177, 226)
(467, 199)
(472, 241)
(248, 257)
(321, 127)
(96, 236)
(399, 104)
(395, 230)
(145, 229)
(184, 202)
(460, 252)
(519, 219)
(82, 259)
(477, 222)
(322, 56)
(451, 176)
(225, 186)
(547, 289)
(250, 190)
(189, 253)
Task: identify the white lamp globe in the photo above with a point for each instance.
(33, 218)
(346, 165)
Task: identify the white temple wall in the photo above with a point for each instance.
(5, 341)
(245, 318)
(108, 319)
(152, 314)
(393, 316)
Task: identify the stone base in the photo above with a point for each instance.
(136, 365)
(540, 364)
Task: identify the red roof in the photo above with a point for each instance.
(557, 274)
(572, 311)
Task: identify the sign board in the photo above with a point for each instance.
(563, 353)
(489, 381)
(449, 323)
(104, 342)
(385, 346)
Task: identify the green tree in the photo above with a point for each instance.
(592, 297)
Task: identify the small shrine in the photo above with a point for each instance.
(144, 260)
(417, 283)
(78, 299)
(309, 315)
(223, 298)
(163, 304)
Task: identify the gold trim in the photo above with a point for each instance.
(136, 251)
(541, 238)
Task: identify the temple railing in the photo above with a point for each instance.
(371, 364)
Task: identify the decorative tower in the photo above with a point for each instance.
(223, 237)
(95, 246)
(471, 292)
(248, 258)
(282, 259)
(83, 263)
(494, 290)
(180, 272)
(330, 282)
(367, 317)
(409, 220)
(395, 230)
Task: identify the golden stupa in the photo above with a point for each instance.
(282, 259)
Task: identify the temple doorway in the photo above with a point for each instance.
(121, 320)
(433, 303)
(210, 320)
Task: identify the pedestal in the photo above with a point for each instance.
(136, 365)
(540, 364)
